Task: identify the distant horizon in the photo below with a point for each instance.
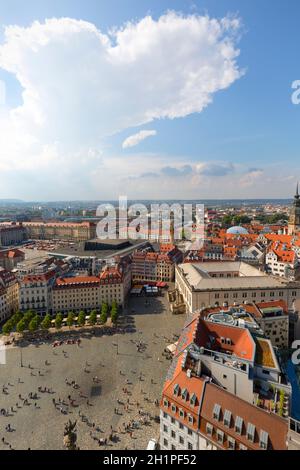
(23, 201)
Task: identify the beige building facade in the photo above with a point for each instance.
(217, 283)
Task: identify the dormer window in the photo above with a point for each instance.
(216, 412)
(227, 418)
(184, 394)
(176, 390)
(263, 440)
(238, 425)
(250, 432)
(193, 400)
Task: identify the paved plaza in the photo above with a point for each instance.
(101, 368)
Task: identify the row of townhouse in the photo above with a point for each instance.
(155, 266)
(52, 292)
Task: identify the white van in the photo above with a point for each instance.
(152, 444)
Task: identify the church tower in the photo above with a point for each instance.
(294, 220)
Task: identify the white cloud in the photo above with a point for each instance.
(135, 139)
(81, 86)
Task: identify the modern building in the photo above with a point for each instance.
(270, 319)
(215, 283)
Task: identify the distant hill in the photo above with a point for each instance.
(11, 201)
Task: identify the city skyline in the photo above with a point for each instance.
(220, 126)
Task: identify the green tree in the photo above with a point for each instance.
(93, 317)
(70, 319)
(21, 326)
(8, 327)
(16, 318)
(46, 323)
(34, 323)
(81, 318)
(104, 308)
(114, 316)
(58, 321)
(28, 316)
(103, 317)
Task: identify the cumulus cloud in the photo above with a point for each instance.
(135, 139)
(215, 168)
(80, 85)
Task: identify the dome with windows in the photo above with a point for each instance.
(238, 230)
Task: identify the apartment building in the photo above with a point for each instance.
(90, 292)
(155, 266)
(36, 291)
(282, 262)
(217, 393)
(215, 283)
(12, 234)
(199, 415)
(60, 230)
(76, 294)
(9, 294)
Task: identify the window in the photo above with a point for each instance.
(220, 436)
(165, 415)
(181, 426)
(166, 443)
(263, 439)
(166, 403)
(193, 400)
(227, 418)
(173, 434)
(209, 429)
(238, 425)
(176, 390)
(191, 419)
(190, 446)
(184, 394)
(216, 412)
(172, 420)
(190, 432)
(250, 432)
(181, 440)
(173, 408)
(181, 413)
(231, 443)
(165, 428)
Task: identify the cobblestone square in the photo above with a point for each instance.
(101, 367)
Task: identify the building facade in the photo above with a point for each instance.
(9, 294)
(60, 230)
(215, 283)
(12, 234)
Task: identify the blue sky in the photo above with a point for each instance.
(243, 143)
